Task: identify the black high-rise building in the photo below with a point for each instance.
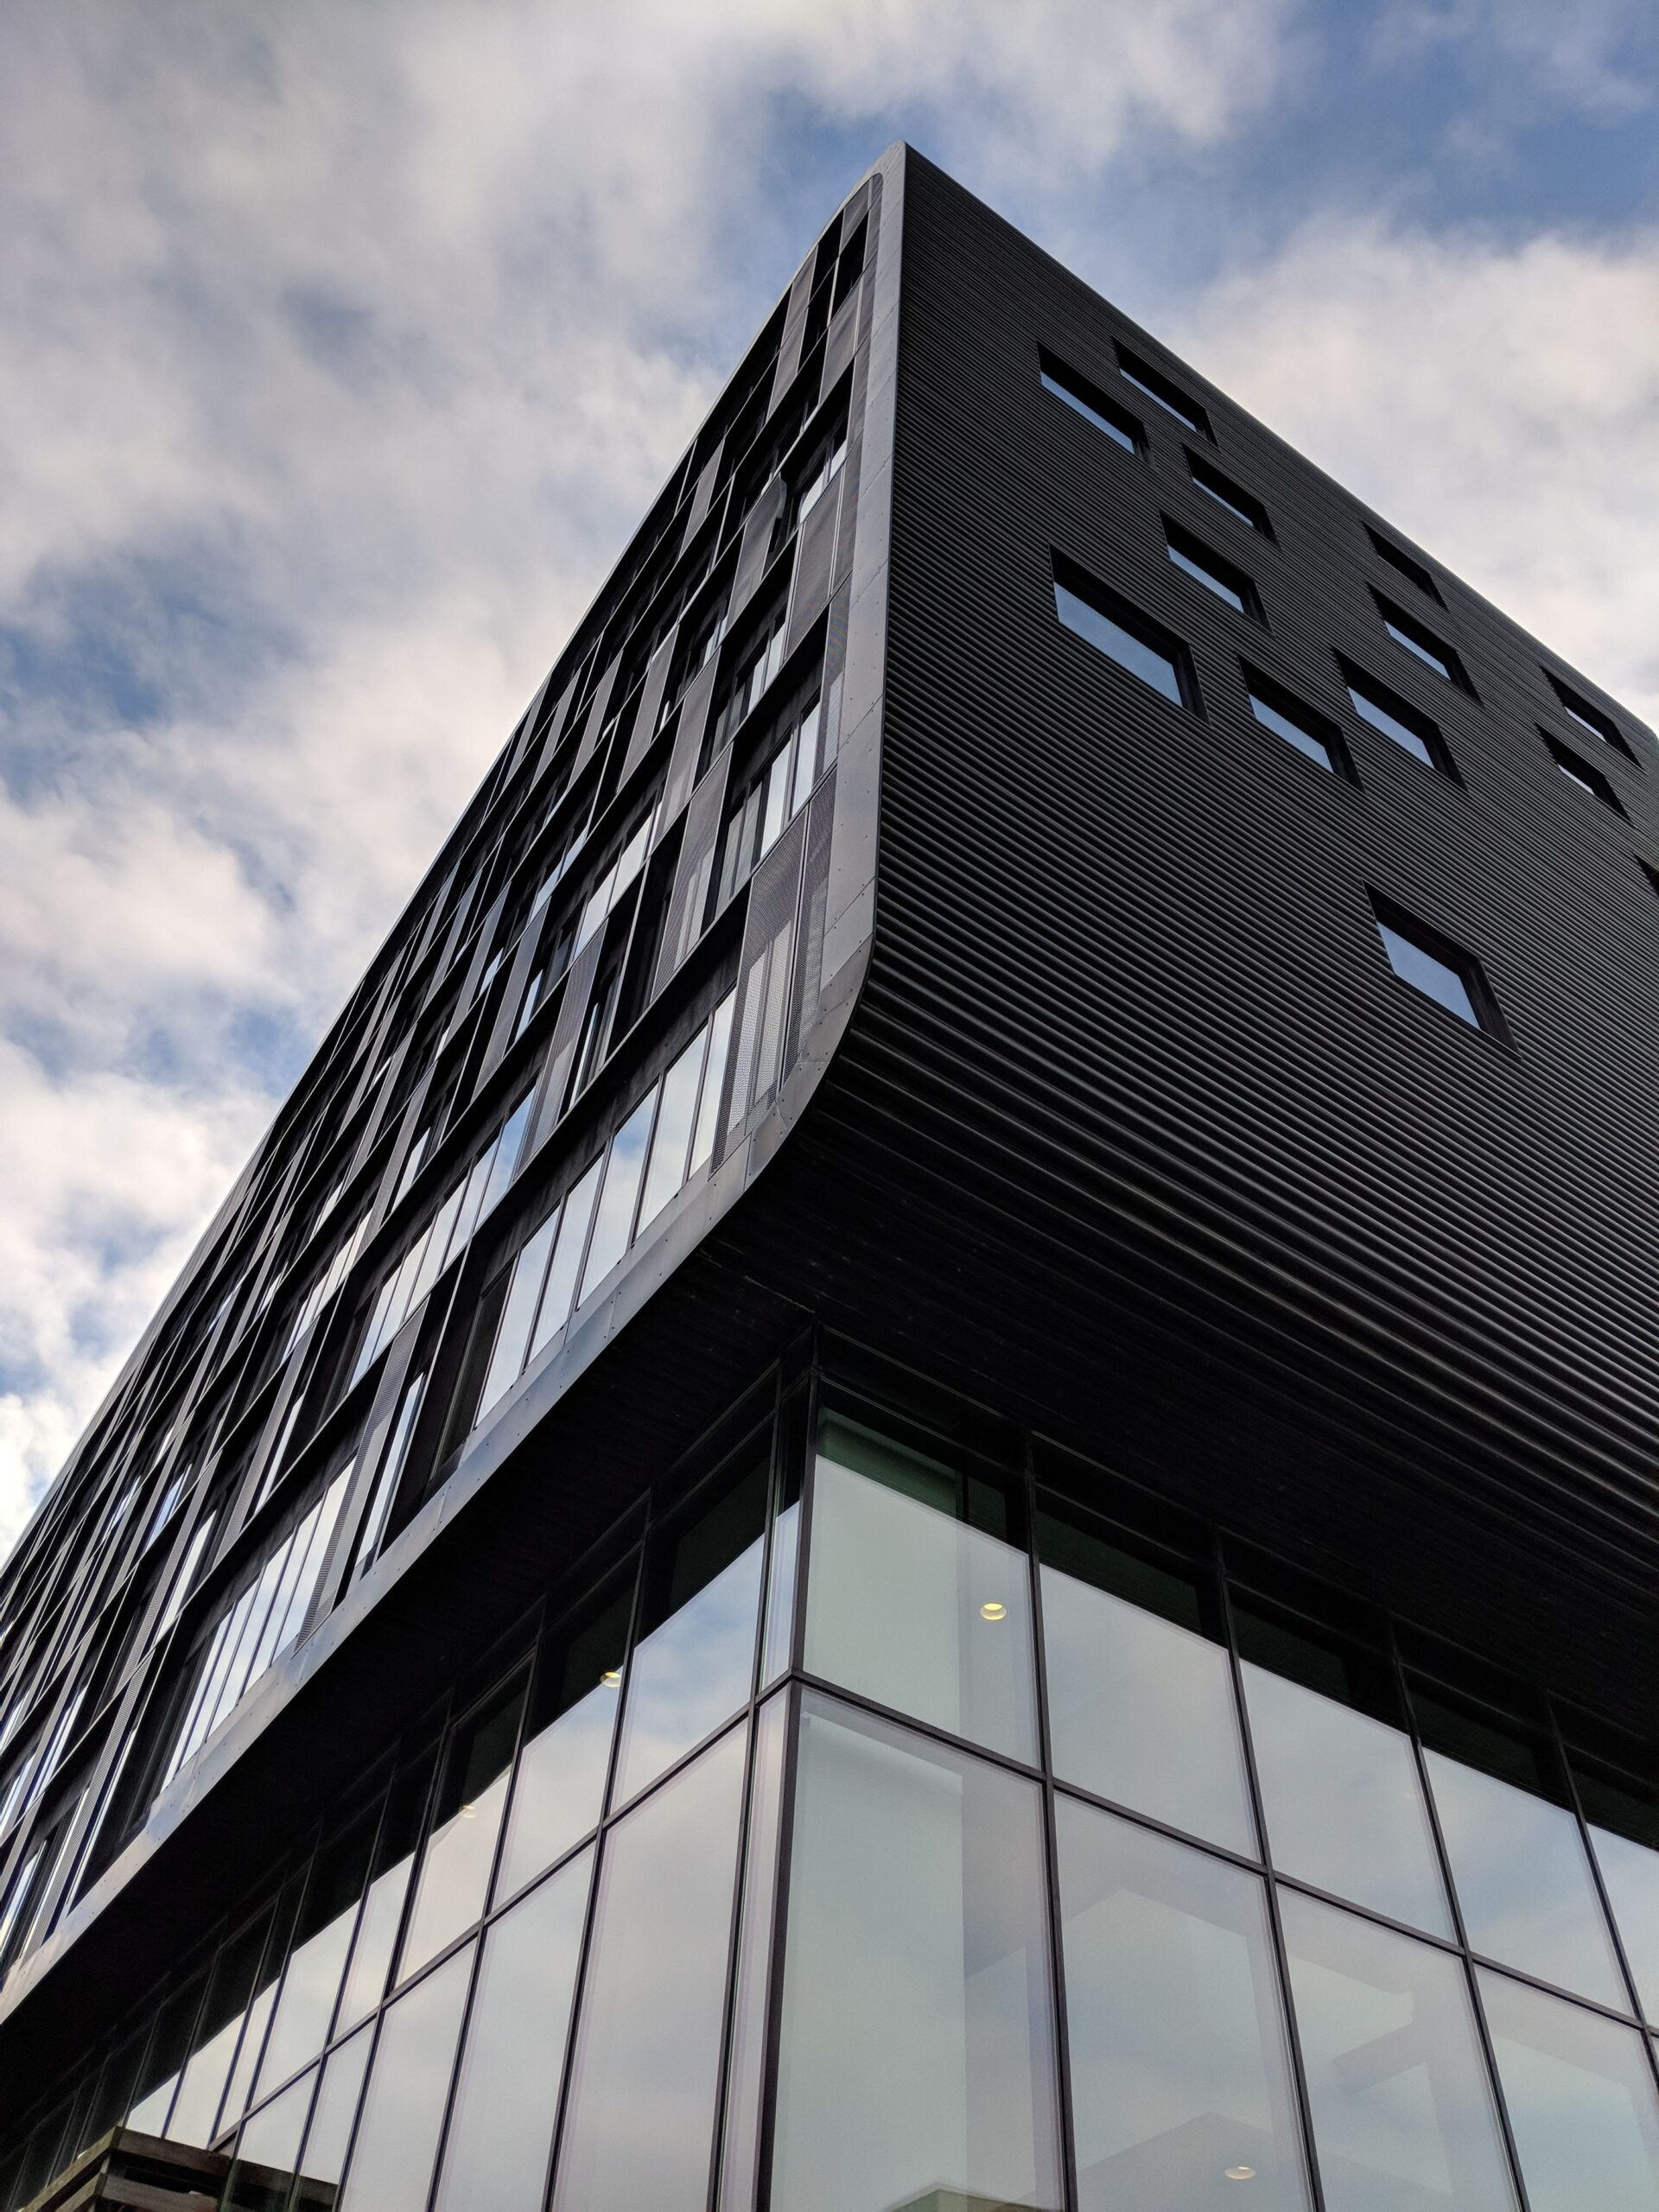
(921, 1473)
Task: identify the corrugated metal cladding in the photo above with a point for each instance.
(1174, 1152)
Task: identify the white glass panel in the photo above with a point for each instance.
(1181, 2068)
(1344, 1803)
(1141, 1711)
(500, 2135)
(1523, 1881)
(916, 2065)
(638, 2135)
(1580, 2098)
(1403, 2111)
(911, 1607)
(397, 2137)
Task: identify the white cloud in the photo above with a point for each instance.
(1600, 56)
(1499, 403)
(340, 345)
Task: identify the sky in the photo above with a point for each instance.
(342, 344)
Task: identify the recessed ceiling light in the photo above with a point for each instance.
(992, 1610)
(610, 1678)
(1239, 2173)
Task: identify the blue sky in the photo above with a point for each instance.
(342, 343)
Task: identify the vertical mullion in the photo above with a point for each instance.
(1558, 1745)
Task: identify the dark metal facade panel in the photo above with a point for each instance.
(1128, 999)
(694, 867)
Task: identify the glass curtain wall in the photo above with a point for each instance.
(882, 1830)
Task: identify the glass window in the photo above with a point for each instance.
(914, 1598)
(639, 2128)
(1093, 405)
(693, 1664)
(454, 1877)
(1624, 1837)
(383, 1907)
(519, 1314)
(397, 2137)
(1299, 726)
(270, 2140)
(1433, 965)
(741, 2141)
(203, 2082)
(1140, 1699)
(329, 2135)
(1587, 716)
(1343, 1801)
(1523, 1881)
(1242, 506)
(558, 1793)
(671, 1141)
(1422, 643)
(322, 1938)
(168, 2048)
(1403, 2112)
(1124, 636)
(239, 2094)
(1168, 395)
(1181, 2069)
(916, 2063)
(1403, 561)
(1196, 560)
(1580, 2100)
(1580, 773)
(1413, 732)
(614, 1221)
(575, 1216)
(500, 2135)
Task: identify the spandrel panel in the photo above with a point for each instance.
(916, 2064)
(1180, 2065)
(910, 1604)
(1344, 1803)
(1141, 1706)
(1580, 2100)
(1523, 1881)
(1403, 2109)
(640, 2126)
(495, 2157)
(391, 2165)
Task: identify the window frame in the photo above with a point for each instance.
(1404, 564)
(1320, 728)
(1078, 582)
(1387, 914)
(1425, 645)
(1115, 423)
(1221, 578)
(1359, 683)
(1165, 392)
(1221, 491)
(1583, 773)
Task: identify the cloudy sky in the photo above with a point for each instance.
(342, 343)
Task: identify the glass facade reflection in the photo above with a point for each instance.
(876, 1828)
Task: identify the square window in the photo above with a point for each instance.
(1192, 556)
(1413, 571)
(1422, 643)
(1314, 736)
(1242, 506)
(1588, 716)
(1432, 964)
(1169, 396)
(1124, 634)
(1411, 729)
(1579, 772)
(1119, 426)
